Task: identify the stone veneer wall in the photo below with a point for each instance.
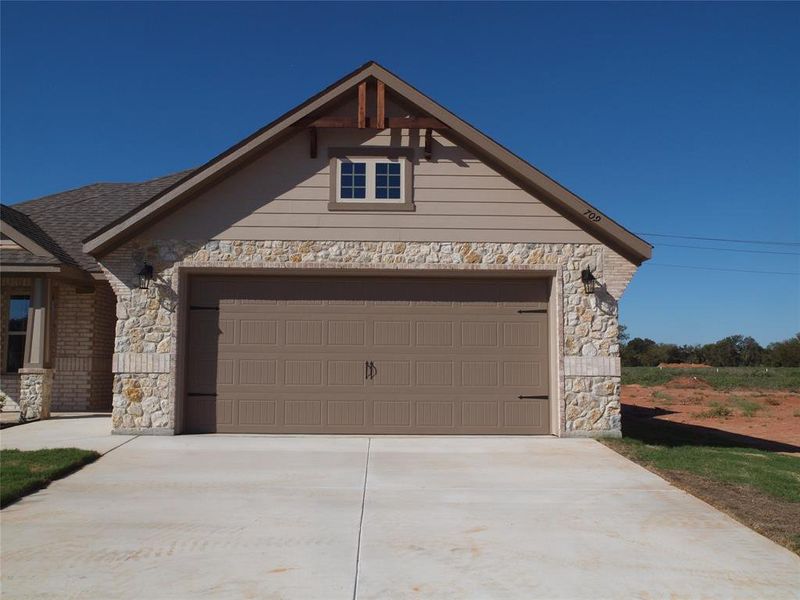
(145, 344)
(35, 394)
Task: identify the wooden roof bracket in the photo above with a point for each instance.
(380, 109)
(362, 105)
(428, 143)
(312, 140)
(389, 122)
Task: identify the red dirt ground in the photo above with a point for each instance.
(685, 399)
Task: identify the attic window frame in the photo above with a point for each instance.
(373, 153)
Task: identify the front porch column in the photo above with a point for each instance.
(36, 375)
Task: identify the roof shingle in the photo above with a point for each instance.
(68, 217)
(24, 225)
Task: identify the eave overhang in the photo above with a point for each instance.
(495, 155)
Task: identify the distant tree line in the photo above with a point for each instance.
(732, 351)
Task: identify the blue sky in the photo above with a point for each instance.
(678, 118)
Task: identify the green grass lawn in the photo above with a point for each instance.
(777, 475)
(759, 488)
(722, 378)
(25, 471)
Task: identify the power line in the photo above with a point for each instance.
(708, 239)
(722, 269)
(731, 249)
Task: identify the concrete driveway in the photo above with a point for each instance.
(380, 518)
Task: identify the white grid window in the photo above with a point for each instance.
(371, 180)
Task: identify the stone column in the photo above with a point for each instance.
(36, 376)
(35, 393)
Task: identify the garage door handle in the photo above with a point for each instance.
(545, 397)
(369, 369)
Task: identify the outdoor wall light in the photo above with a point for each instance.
(588, 279)
(145, 276)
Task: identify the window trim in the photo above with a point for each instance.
(372, 153)
(370, 163)
(9, 333)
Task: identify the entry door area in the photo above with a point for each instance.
(367, 355)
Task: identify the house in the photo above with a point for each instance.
(366, 263)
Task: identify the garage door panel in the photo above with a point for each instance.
(348, 413)
(346, 332)
(257, 372)
(258, 332)
(480, 413)
(346, 372)
(525, 413)
(226, 332)
(202, 375)
(524, 374)
(434, 333)
(434, 373)
(527, 335)
(201, 413)
(392, 373)
(391, 333)
(303, 332)
(257, 412)
(205, 331)
(483, 334)
(302, 372)
(391, 413)
(225, 411)
(480, 373)
(290, 355)
(303, 412)
(436, 414)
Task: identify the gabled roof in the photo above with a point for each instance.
(37, 248)
(515, 168)
(59, 222)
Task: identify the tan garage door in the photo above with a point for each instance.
(367, 355)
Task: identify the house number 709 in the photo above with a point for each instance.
(592, 216)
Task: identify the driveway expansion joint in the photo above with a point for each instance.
(110, 450)
(361, 520)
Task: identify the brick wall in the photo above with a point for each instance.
(84, 333)
(618, 272)
(105, 320)
(73, 349)
(83, 322)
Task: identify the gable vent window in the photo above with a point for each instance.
(364, 179)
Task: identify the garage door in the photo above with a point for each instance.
(367, 355)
